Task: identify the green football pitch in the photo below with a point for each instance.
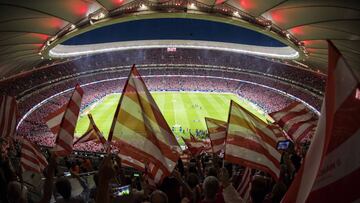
(180, 109)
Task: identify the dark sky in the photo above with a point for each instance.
(174, 28)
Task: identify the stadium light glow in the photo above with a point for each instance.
(288, 35)
(143, 7)
(192, 6)
(300, 64)
(63, 51)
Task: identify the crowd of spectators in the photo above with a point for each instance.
(34, 127)
(29, 100)
(22, 82)
(202, 179)
(183, 70)
(97, 177)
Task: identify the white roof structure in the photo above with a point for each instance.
(30, 29)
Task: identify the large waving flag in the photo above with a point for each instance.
(91, 134)
(62, 123)
(140, 131)
(8, 116)
(31, 157)
(251, 142)
(217, 134)
(331, 169)
(297, 121)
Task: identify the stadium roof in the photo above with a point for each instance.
(29, 29)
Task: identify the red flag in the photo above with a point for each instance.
(132, 163)
(8, 116)
(297, 121)
(186, 157)
(140, 131)
(217, 134)
(331, 169)
(251, 142)
(31, 157)
(63, 121)
(194, 147)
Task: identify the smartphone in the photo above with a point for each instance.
(121, 191)
(283, 145)
(66, 173)
(137, 181)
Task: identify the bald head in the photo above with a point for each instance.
(211, 186)
(158, 196)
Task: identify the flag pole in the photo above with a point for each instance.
(208, 134)
(111, 132)
(227, 130)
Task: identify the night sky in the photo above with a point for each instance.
(174, 28)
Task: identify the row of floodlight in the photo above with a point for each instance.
(102, 13)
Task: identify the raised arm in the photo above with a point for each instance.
(229, 193)
(49, 174)
(106, 173)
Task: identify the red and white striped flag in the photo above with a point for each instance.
(140, 131)
(132, 163)
(8, 116)
(63, 121)
(89, 135)
(185, 157)
(331, 168)
(206, 143)
(92, 133)
(194, 147)
(297, 121)
(31, 157)
(217, 134)
(278, 132)
(148, 177)
(245, 184)
(101, 137)
(250, 142)
(207, 146)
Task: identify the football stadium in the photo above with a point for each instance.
(179, 101)
(183, 111)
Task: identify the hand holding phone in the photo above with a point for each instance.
(284, 145)
(121, 191)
